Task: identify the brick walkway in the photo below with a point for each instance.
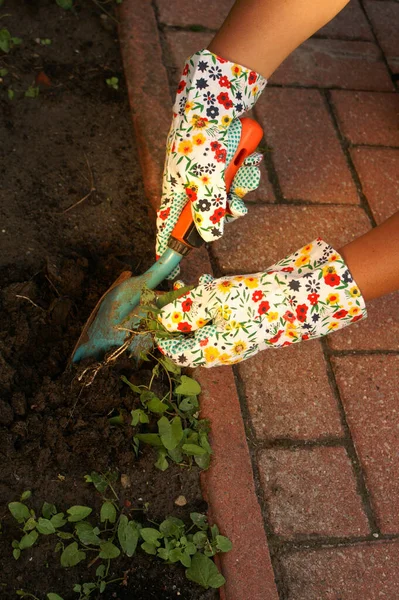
(321, 418)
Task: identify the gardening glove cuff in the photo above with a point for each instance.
(307, 295)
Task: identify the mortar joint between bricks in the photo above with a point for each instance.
(344, 145)
(375, 352)
(377, 42)
(350, 446)
(300, 86)
(305, 444)
(270, 167)
(283, 546)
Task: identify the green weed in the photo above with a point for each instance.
(112, 534)
(7, 41)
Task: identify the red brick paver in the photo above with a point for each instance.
(288, 394)
(269, 233)
(368, 117)
(385, 18)
(380, 331)
(183, 13)
(369, 390)
(350, 23)
(335, 63)
(378, 169)
(305, 149)
(355, 572)
(311, 491)
(229, 489)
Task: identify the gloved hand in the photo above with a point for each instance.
(304, 296)
(213, 93)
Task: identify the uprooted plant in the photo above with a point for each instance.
(114, 534)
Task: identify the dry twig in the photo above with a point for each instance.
(92, 189)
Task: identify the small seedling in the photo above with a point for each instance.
(7, 41)
(43, 41)
(65, 4)
(115, 535)
(32, 91)
(113, 82)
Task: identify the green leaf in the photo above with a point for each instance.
(28, 540)
(100, 571)
(204, 572)
(151, 535)
(45, 526)
(175, 555)
(223, 543)
(5, 40)
(168, 297)
(156, 406)
(65, 4)
(193, 450)
(139, 416)
(103, 585)
(162, 463)
(77, 588)
(108, 512)
(58, 520)
(191, 547)
(48, 510)
(78, 513)
(169, 365)
(88, 587)
(30, 524)
(203, 461)
(109, 550)
(149, 548)
(176, 455)
(32, 91)
(99, 482)
(172, 527)
(171, 432)
(64, 535)
(153, 439)
(128, 535)
(163, 553)
(52, 596)
(214, 531)
(86, 534)
(134, 388)
(10, 94)
(71, 556)
(19, 511)
(185, 559)
(199, 539)
(27, 494)
(189, 403)
(199, 520)
(188, 387)
(16, 553)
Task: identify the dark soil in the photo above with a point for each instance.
(54, 266)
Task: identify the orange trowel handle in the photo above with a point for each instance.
(251, 134)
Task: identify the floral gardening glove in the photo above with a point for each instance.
(306, 295)
(212, 94)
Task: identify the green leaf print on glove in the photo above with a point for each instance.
(213, 93)
(306, 295)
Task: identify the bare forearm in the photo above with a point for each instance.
(260, 34)
(373, 259)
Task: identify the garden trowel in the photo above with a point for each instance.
(116, 313)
